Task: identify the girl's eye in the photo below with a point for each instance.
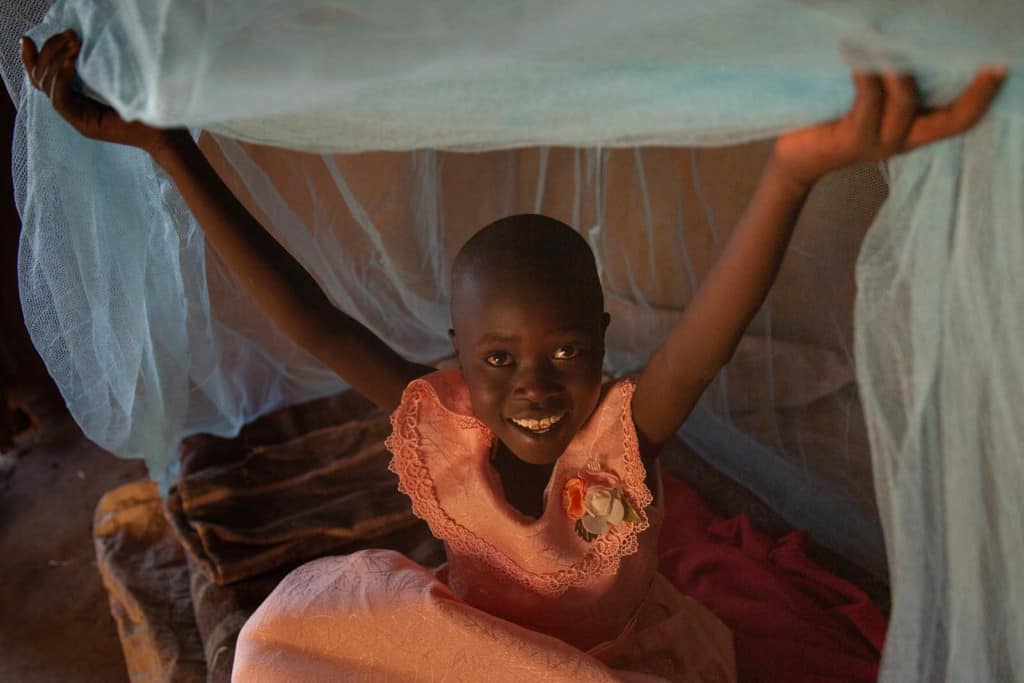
(499, 359)
(566, 352)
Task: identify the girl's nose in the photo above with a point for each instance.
(537, 383)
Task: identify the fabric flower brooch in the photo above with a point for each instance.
(594, 498)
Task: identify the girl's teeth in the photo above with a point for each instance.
(539, 425)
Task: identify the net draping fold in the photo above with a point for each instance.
(885, 372)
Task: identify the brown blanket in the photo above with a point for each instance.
(296, 485)
(303, 482)
(147, 581)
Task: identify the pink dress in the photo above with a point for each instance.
(520, 599)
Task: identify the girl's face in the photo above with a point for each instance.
(532, 359)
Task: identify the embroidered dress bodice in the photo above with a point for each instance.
(539, 573)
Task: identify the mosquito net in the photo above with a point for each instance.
(877, 392)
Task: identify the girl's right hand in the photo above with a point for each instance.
(52, 71)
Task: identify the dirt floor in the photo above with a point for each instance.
(55, 624)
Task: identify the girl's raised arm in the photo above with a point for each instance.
(884, 121)
(290, 296)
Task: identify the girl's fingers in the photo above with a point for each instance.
(901, 103)
(958, 116)
(42, 64)
(45, 59)
(64, 100)
(901, 106)
(29, 56)
(865, 117)
(59, 61)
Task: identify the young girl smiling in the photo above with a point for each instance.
(542, 480)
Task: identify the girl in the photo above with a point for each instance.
(542, 481)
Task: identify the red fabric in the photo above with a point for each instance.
(792, 621)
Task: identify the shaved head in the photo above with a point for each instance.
(528, 251)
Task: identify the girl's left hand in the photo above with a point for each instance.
(886, 119)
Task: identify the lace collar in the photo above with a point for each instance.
(440, 453)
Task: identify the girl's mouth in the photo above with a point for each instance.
(538, 426)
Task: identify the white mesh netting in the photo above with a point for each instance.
(883, 368)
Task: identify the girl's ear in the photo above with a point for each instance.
(455, 345)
